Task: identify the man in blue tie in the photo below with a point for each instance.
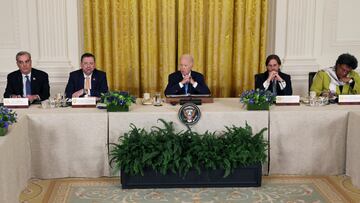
(27, 81)
(186, 81)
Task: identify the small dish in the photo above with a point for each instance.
(146, 102)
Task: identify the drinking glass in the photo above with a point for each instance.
(45, 104)
(157, 99)
(52, 103)
(312, 94)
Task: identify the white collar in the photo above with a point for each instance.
(24, 75)
(87, 75)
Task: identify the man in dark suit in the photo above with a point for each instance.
(273, 79)
(27, 81)
(86, 81)
(186, 81)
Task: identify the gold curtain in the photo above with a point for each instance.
(138, 42)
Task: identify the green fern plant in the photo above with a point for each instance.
(164, 150)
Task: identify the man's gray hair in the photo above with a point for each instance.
(22, 53)
(188, 56)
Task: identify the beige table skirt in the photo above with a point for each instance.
(307, 140)
(69, 144)
(353, 148)
(15, 168)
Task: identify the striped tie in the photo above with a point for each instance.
(27, 85)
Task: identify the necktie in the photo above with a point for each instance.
(27, 85)
(87, 83)
(186, 88)
(274, 91)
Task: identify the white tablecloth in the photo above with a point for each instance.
(308, 140)
(15, 168)
(68, 142)
(353, 148)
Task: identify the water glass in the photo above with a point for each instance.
(312, 94)
(157, 99)
(45, 104)
(312, 101)
(52, 103)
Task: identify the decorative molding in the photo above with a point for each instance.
(11, 41)
(331, 40)
(300, 28)
(52, 33)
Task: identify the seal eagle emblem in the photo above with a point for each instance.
(189, 114)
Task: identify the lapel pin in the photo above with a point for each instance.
(34, 78)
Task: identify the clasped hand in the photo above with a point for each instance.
(274, 76)
(188, 79)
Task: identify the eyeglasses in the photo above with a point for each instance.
(23, 62)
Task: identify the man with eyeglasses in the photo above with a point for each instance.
(27, 81)
(87, 81)
(186, 81)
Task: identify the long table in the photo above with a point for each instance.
(66, 142)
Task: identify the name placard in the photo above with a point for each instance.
(288, 100)
(16, 102)
(83, 102)
(349, 99)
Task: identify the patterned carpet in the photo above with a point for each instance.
(287, 189)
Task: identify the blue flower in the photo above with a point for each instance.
(257, 97)
(117, 98)
(7, 117)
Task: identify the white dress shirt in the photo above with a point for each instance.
(194, 85)
(282, 84)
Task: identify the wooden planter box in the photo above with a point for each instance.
(241, 177)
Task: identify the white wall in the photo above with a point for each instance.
(49, 30)
(310, 34)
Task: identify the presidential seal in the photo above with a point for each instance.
(189, 114)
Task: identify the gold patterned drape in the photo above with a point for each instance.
(138, 42)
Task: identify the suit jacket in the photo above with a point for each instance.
(173, 86)
(39, 84)
(261, 77)
(76, 82)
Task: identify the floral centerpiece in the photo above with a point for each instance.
(117, 101)
(257, 99)
(7, 117)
